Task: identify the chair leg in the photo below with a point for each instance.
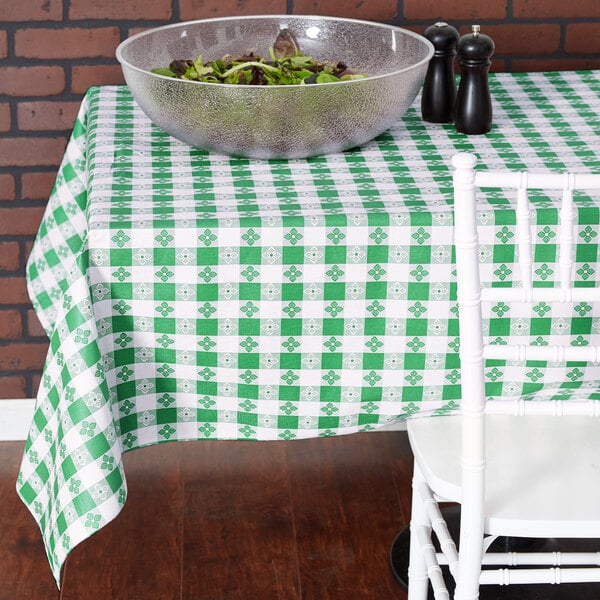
(418, 580)
(469, 562)
(467, 590)
(467, 584)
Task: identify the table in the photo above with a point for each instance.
(188, 295)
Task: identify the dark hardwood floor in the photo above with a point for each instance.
(310, 520)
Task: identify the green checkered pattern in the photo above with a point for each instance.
(189, 295)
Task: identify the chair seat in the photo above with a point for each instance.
(542, 474)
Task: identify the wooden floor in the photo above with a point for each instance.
(310, 520)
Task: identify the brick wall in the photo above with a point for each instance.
(51, 51)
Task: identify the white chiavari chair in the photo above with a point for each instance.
(517, 467)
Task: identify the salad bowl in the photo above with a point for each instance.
(277, 121)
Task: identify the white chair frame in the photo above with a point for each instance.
(451, 451)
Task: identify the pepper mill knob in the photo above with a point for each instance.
(473, 109)
(439, 87)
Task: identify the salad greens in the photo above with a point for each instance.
(286, 65)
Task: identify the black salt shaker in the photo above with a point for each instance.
(439, 87)
(473, 108)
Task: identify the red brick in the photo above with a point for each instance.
(375, 10)
(522, 39)
(84, 76)
(32, 81)
(13, 290)
(583, 38)
(3, 44)
(134, 30)
(28, 247)
(34, 327)
(541, 9)
(36, 380)
(4, 116)
(11, 326)
(120, 9)
(12, 387)
(435, 10)
(23, 152)
(46, 116)
(31, 10)
(23, 357)
(10, 255)
(201, 9)
(7, 187)
(498, 65)
(37, 186)
(554, 64)
(20, 221)
(67, 42)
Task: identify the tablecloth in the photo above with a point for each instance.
(189, 295)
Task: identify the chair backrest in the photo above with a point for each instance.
(471, 294)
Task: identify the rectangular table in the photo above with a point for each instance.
(188, 295)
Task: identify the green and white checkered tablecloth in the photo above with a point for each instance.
(188, 295)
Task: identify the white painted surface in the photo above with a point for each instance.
(15, 417)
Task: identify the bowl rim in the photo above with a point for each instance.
(273, 17)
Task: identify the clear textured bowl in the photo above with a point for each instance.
(282, 121)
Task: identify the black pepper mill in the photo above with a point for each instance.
(473, 108)
(439, 87)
